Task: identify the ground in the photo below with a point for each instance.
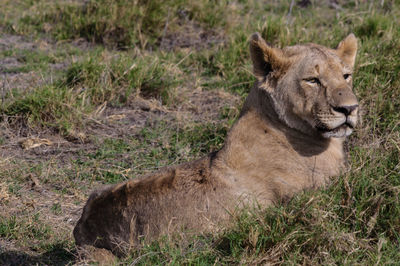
(90, 98)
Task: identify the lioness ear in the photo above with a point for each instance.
(347, 49)
(265, 58)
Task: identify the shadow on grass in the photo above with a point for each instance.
(57, 255)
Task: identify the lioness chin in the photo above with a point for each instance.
(289, 137)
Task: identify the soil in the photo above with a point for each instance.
(192, 36)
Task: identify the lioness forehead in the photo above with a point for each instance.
(313, 54)
(308, 49)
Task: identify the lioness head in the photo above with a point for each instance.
(310, 85)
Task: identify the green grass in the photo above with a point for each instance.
(121, 75)
(29, 228)
(86, 84)
(354, 221)
(120, 24)
(150, 149)
(30, 60)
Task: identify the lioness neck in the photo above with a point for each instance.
(261, 147)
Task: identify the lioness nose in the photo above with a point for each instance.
(344, 101)
(346, 110)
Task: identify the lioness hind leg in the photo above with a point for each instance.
(90, 254)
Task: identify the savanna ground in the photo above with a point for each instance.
(97, 92)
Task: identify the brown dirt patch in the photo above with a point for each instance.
(19, 81)
(11, 78)
(8, 41)
(199, 106)
(191, 35)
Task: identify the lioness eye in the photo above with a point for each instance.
(313, 80)
(346, 76)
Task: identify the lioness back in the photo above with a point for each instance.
(186, 197)
(289, 137)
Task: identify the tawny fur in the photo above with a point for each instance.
(289, 137)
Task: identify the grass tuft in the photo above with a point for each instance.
(30, 228)
(122, 23)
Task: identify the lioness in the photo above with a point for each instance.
(289, 137)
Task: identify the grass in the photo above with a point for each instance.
(129, 103)
(151, 76)
(150, 149)
(30, 60)
(31, 228)
(122, 24)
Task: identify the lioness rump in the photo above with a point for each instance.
(289, 137)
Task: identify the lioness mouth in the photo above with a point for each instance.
(346, 124)
(349, 125)
(324, 129)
